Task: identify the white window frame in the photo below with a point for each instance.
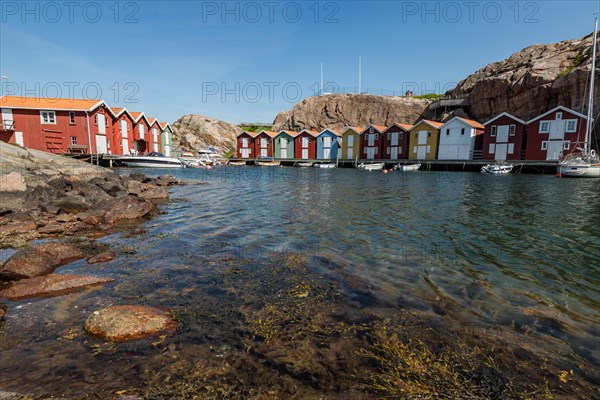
(559, 115)
(494, 130)
(566, 145)
(48, 117)
(512, 129)
(142, 131)
(545, 145)
(72, 119)
(73, 139)
(492, 149)
(428, 148)
(570, 121)
(546, 124)
(510, 149)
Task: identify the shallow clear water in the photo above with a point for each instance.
(514, 255)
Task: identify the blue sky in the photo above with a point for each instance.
(246, 61)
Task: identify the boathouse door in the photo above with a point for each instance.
(394, 153)
(263, 147)
(326, 147)
(245, 153)
(421, 152)
(350, 150)
(283, 143)
(370, 153)
(501, 149)
(555, 148)
(305, 148)
(125, 144)
(101, 147)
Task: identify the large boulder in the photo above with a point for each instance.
(12, 182)
(116, 209)
(194, 132)
(50, 285)
(336, 111)
(128, 322)
(38, 260)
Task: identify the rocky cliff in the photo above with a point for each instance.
(193, 132)
(339, 110)
(532, 81)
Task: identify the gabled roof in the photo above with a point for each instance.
(556, 109)
(251, 134)
(290, 133)
(433, 124)
(44, 103)
(379, 128)
(405, 127)
(118, 111)
(268, 133)
(469, 122)
(137, 116)
(336, 133)
(352, 128)
(505, 114)
(163, 125)
(312, 133)
(153, 121)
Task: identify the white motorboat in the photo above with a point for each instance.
(372, 166)
(496, 169)
(151, 160)
(303, 164)
(408, 167)
(268, 163)
(210, 156)
(324, 165)
(584, 162)
(189, 160)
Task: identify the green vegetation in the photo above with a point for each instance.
(230, 153)
(409, 368)
(429, 96)
(578, 62)
(256, 128)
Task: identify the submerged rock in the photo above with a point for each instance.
(39, 260)
(128, 322)
(50, 285)
(102, 257)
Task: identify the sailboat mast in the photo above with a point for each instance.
(590, 113)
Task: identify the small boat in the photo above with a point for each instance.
(324, 165)
(408, 167)
(189, 160)
(210, 156)
(303, 164)
(372, 166)
(237, 163)
(267, 162)
(497, 169)
(584, 162)
(151, 160)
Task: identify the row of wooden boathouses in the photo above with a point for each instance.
(504, 137)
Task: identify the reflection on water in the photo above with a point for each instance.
(513, 255)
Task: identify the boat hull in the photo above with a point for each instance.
(151, 162)
(408, 168)
(372, 167)
(579, 170)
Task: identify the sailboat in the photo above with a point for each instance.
(585, 163)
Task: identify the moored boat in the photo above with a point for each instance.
(324, 165)
(408, 167)
(189, 160)
(303, 164)
(584, 162)
(267, 162)
(496, 169)
(372, 166)
(151, 160)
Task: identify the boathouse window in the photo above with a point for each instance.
(376, 136)
(371, 130)
(544, 126)
(447, 132)
(95, 119)
(558, 115)
(400, 135)
(492, 148)
(48, 117)
(571, 125)
(106, 122)
(511, 148)
(512, 130)
(566, 145)
(462, 131)
(428, 148)
(428, 135)
(544, 145)
(493, 131)
(388, 137)
(73, 139)
(72, 119)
